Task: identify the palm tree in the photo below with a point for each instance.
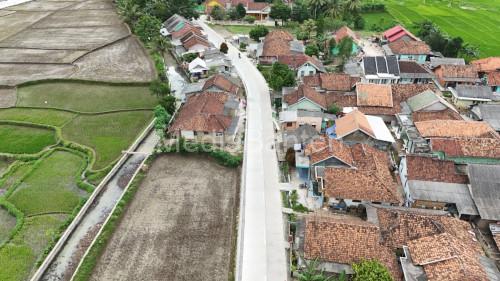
(353, 5)
(129, 11)
(309, 27)
(317, 5)
(161, 43)
(334, 8)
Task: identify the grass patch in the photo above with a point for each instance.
(85, 97)
(7, 223)
(18, 256)
(476, 21)
(108, 134)
(381, 20)
(25, 140)
(51, 117)
(51, 187)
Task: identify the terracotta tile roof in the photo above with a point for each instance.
(277, 43)
(371, 179)
(341, 99)
(458, 71)
(331, 81)
(257, 6)
(346, 240)
(203, 112)
(446, 114)
(325, 148)
(467, 147)
(397, 32)
(193, 40)
(351, 122)
(297, 60)
(487, 64)
(425, 168)
(185, 30)
(410, 66)
(494, 78)
(374, 95)
(344, 32)
(402, 47)
(308, 93)
(406, 91)
(455, 128)
(222, 83)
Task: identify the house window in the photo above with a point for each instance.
(302, 73)
(206, 133)
(218, 134)
(314, 126)
(311, 72)
(289, 124)
(356, 201)
(195, 133)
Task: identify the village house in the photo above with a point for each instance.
(380, 70)
(489, 113)
(484, 188)
(198, 68)
(455, 129)
(259, 10)
(375, 96)
(293, 119)
(304, 98)
(346, 32)
(489, 71)
(355, 127)
(216, 83)
(467, 150)
(302, 64)
(430, 106)
(397, 33)
(208, 117)
(453, 75)
(410, 50)
(465, 96)
(431, 183)
(437, 61)
(331, 82)
(278, 43)
(299, 137)
(411, 72)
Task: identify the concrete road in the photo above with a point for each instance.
(262, 245)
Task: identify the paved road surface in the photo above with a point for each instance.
(262, 254)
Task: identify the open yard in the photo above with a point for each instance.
(108, 134)
(179, 226)
(85, 97)
(476, 21)
(24, 140)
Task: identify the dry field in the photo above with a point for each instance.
(83, 39)
(179, 226)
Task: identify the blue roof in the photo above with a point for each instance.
(330, 132)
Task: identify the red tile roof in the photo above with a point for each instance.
(304, 92)
(425, 168)
(487, 64)
(351, 122)
(397, 32)
(331, 81)
(222, 83)
(295, 61)
(374, 95)
(447, 114)
(370, 179)
(194, 39)
(203, 112)
(346, 240)
(277, 43)
(344, 32)
(467, 147)
(458, 71)
(494, 78)
(455, 128)
(325, 148)
(402, 47)
(185, 30)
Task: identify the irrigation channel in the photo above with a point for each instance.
(64, 262)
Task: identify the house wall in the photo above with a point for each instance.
(305, 104)
(313, 121)
(417, 58)
(331, 162)
(354, 202)
(360, 137)
(425, 204)
(306, 70)
(208, 137)
(414, 81)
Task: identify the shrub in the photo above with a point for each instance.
(312, 50)
(243, 46)
(249, 19)
(258, 32)
(217, 13)
(334, 109)
(223, 48)
(359, 22)
(372, 7)
(370, 270)
(159, 88)
(189, 57)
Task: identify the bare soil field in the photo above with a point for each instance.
(47, 39)
(127, 55)
(179, 226)
(8, 97)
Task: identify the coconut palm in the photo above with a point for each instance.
(334, 8)
(317, 5)
(353, 5)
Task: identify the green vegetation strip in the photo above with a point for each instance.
(51, 117)
(24, 139)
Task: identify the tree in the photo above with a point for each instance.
(280, 11)
(316, 6)
(353, 5)
(334, 109)
(312, 50)
(370, 270)
(359, 22)
(280, 76)
(162, 117)
(257, 32)
(334, 8)
(345, 48)
(189, 57)
(249, 19)
(169, 103)
(309, 28)
(147, 27)
(223, 48)
(185, 8)
(299, 12)
(159, 89)
(129, 10)
(217, 13)
(161, 44)
(233, 14)
(240, 9)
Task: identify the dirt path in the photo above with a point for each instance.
(179, 225)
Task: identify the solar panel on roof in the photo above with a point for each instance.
(381, 65)
(392, 64)
(369, 65)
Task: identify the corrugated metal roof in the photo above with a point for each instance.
(485, 189)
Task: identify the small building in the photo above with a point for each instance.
(493, 81)
(198, 68)
(355, 127)
(208, 117)
(455, 129)
(437, 61)
(411, 72)
(399, 33)
(304, 98)
(346, 32)
(417, 51)
(380, 70)
(467, 150)
(487, 65)
(489, 113)
(428, 101)
(291, 120)
(278, 43)
(302, 135)
(222, 83)
(302, 64)
(453, 75)
(465, 96)
(485, 190)
(331, 82)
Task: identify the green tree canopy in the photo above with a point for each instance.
(299, 12)
(370, 270)
(217, 13)
(147, 27)
(223, 48)
(312, 50)
(280, 76)
(280, 11)
(258, 32)
(240, 9)
(159, 89)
